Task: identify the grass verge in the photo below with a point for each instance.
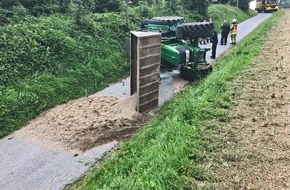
(164, 155)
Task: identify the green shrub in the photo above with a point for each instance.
(30, 47)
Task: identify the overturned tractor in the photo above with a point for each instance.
(180, 45)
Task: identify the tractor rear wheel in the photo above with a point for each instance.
(189, 74)
(194, 30)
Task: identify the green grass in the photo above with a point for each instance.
(164, 154)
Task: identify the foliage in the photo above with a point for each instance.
(107, 5)
(4, 16)
(199, 7)
(285, 3)
(244, 5)
(223, 1)
(39, 7)
(34, 47)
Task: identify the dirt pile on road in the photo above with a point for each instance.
(84, 123)
(257, 136)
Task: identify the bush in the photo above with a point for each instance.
(31, 47)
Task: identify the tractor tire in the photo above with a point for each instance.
(194, 30)
(190, 75)
(168, 20)
(206, 70)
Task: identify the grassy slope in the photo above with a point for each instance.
(74, 64)
(219, 13)
(163, 154)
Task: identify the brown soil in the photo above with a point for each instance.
(88, 122)
(84, 123)
(256, 153)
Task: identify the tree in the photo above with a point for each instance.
(8, 4)
(108, 5)
(173, 5)
(223, 1)
(63, 5)
(199, 6)
(285, 3)
(244, 5)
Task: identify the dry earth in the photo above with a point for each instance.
(84, 123)
(88, 122)
(256, 152)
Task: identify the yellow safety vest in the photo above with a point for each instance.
(234, 28)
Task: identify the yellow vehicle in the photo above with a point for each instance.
(267, 5)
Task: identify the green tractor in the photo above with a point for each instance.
(180, 45)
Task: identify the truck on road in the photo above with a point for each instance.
(267, 5)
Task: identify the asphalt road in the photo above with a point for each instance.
(30, 166)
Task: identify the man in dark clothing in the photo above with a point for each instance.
(225, 27)
(214, 41)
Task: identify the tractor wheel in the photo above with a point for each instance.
(207, 70)
(194, 30)
(167, 20)
(190, 75)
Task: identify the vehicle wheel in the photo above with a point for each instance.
(189, 74)
(169, 20)
(194, 30)
(208, 69)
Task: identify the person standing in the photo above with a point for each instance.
(234, 30)
(225, 27)
(214, 41)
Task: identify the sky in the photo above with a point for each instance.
(252, 5)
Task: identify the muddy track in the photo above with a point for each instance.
(256, 138)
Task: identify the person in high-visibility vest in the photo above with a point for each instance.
(234, 30)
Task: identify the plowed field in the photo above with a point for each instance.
(256, 138)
